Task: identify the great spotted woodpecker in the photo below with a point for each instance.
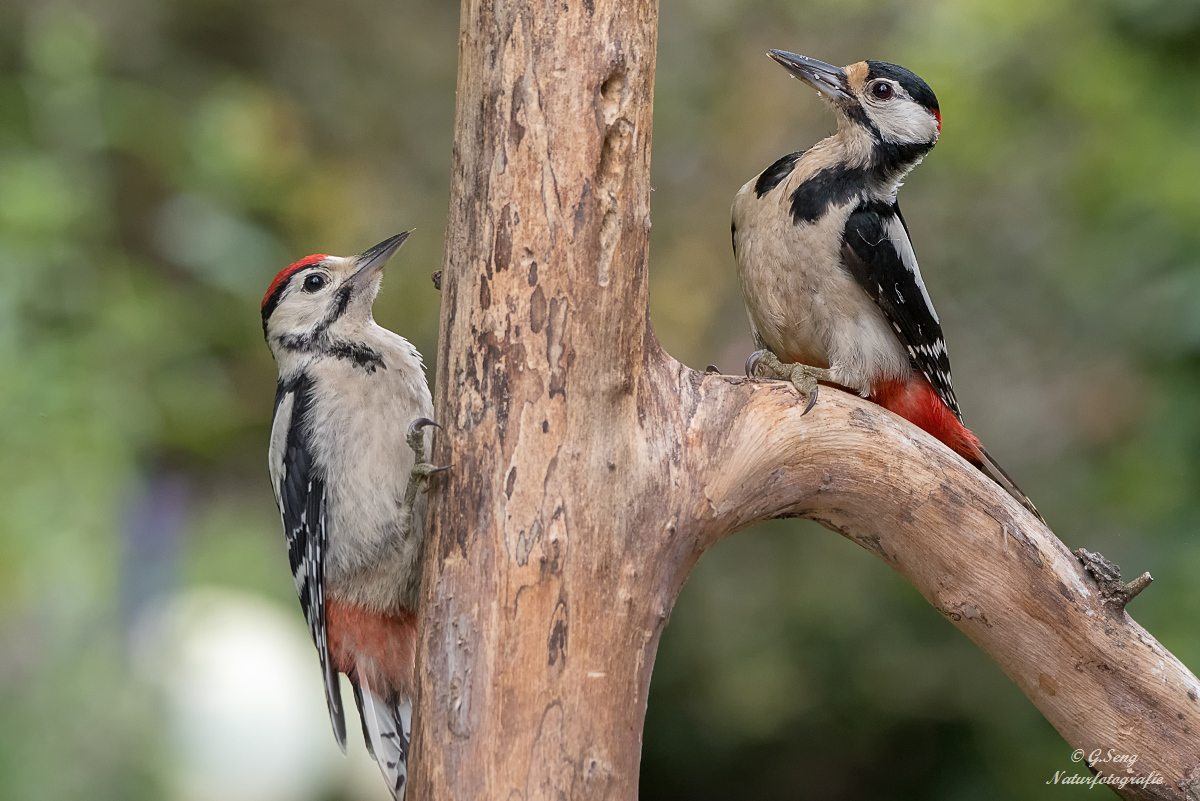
(347, 464)
(827, 270)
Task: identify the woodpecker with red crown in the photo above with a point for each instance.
(829, 275)
(347, 459)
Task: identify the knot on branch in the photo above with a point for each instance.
(1107, 573)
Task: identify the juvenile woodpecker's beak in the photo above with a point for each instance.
(825, 78)
(372, 260)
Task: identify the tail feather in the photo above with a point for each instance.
(362, 717)
(333, 699)
(991, 468)
(387, 729)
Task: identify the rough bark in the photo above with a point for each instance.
(591, 470)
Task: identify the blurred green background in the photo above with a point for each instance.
(159, 161)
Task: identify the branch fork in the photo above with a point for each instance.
(592, 470)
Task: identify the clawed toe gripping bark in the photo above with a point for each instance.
(421, 469)
(765, 364)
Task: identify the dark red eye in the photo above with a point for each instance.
(882, 90)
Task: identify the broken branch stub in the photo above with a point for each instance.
(1115, 592)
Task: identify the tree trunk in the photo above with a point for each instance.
(591, 470)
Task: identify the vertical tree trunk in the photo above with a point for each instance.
(539, 618)
(591, 470)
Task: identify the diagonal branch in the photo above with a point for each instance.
(976, 555)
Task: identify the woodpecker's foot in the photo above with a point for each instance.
(765, 364)
(421, 469)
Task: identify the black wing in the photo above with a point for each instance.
(301, 490)
(877, 252)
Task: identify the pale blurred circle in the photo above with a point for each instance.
(244, 709)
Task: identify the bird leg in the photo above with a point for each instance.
(421, 469)
(765, 364)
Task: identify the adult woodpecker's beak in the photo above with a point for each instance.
(825, 78)
(372, 260)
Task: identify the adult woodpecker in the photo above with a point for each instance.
(347, 464)
(828, 272)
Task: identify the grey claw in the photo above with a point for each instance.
(712, 369)
(437, 470)
(419, 423)
(812, 401)
(752, 362)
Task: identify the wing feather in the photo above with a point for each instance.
(877, 252)
(300, 490)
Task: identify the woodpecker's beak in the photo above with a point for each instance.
(372, 260)
(825, 78)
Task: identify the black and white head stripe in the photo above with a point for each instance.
(301, 494)
(877, 252)
(317, 338)
(281, 281)
(863, 92)
(909, 81)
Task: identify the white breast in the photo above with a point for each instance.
(803, 304)
(360, 426)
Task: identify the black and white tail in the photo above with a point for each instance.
(992, 469)
(386, 728)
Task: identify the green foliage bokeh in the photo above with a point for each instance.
(159, 161)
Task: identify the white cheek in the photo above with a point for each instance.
(298, 311)
(904, 122)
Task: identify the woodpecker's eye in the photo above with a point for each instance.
(882, 90)
(314, 283)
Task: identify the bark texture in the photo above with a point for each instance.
(591, 470)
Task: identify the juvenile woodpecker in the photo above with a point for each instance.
(828, 272)
(347, 459)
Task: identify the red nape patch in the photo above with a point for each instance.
(917, 402)
(937, 115)
(290, 270)
(380, 649)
